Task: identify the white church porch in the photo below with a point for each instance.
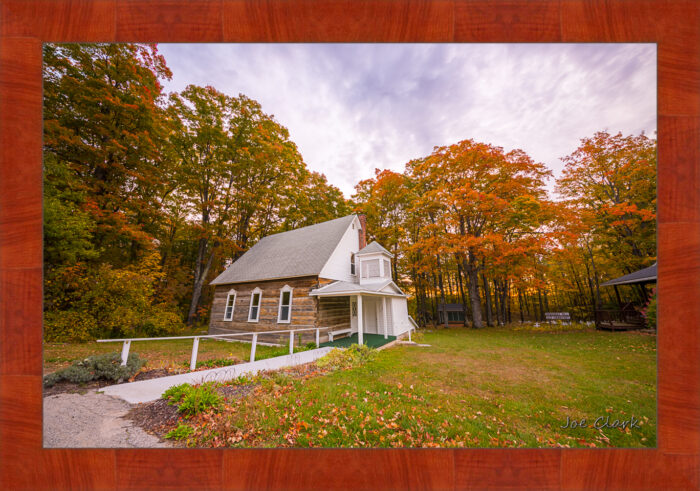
(377, 310)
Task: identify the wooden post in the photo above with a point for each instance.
(409, 334)
(125, 352)
(291, 342)
(617, 294)
(360, 315)
(318, 336)
(252, 347)
(193, 358)
(387, 301)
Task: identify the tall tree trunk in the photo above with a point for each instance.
(595, 277)
(487, 298)
(520, 305)
(442, 293)
(473, 288)
(201, 271)
(497, 302)
(461, 293)
(539, 297)
(508, 297)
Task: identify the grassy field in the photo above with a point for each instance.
(473, 388)
(173, 354)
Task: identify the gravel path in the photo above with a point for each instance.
(92, 420)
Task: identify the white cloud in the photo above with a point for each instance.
(352, 108)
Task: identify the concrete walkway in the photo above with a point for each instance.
(150, 390)
(92, 420)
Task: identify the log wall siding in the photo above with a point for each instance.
(303, 306)
(307, 311)
(334, 312)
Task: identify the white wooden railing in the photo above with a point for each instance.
(195, 345)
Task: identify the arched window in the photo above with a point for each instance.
(255, 302)
(284, 314)
(230, 305)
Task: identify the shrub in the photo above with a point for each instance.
(99, 367)
(69, 326)
(355, 355)
(193, 400)
(650, 312)
(180, 433)
(176, 393)
(241, 380)
(162, 322)
(88, 302)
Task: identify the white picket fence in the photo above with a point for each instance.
(195, 345)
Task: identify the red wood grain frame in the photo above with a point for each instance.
(26, 24)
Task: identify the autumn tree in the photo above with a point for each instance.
(474, 187)
(235, 165)
(105, 175)
(610, 180)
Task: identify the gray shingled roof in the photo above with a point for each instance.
(300, 252)
(346, 286)
(374, 247)
(646, 275)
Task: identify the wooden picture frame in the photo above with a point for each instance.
(674, 25)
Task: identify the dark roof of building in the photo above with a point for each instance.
(451, 307)
(301, 252)
(646, 275)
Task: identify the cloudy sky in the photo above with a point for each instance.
(351, 108)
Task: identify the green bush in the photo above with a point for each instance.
(162, 322)
(355, 355)
(176, 393)
(649, 312)
(99, 367)
(101, 301)
(193, 400)
(69, 326)
(180, 433)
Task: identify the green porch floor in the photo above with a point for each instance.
(371, 340)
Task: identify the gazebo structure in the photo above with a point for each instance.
(627, 317)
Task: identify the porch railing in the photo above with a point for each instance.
(618, 318)
(195, 344)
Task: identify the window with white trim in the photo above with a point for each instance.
(255, 300)
(352, 263)
(387, 268)
(230, 304)
(370, 268)
(284, 314)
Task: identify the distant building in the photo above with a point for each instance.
(455, 313)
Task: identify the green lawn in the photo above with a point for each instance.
(473, 388)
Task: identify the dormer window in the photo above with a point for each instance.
(352, 263)
(387, 268)
(230, 304)
(255, 300)
(370, 268)
(284, 314)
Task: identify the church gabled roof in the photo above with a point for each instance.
(301, 252)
